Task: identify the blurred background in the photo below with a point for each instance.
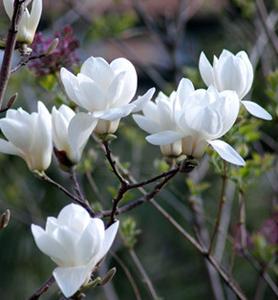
(163, 38)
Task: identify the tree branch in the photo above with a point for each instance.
(9, 48)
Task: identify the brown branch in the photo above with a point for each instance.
(220, 207)
(145, 276)
(26, 60)
(223, 274)
(9, 48)
(68, 193)
(43, 289)
(128, 275)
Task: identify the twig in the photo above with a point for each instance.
(143, 273)
(77, 187)
(220, 207)
(43, 289)
(9, 48)
(223, 274)
(112, 163)
(25, 61)
(68, 193)
(128, 275)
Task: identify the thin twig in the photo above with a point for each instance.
(77, 187)
(143, 273)
(9, 48)
(43, 289)
(223, 274)
(220, 207)
(25, 61)
(68, 193)
(128, 275)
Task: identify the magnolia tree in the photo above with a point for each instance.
(191, 126)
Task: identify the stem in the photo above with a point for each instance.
(43, 289)
(128, 275)
(9, 48)
(144, 274)
(68, 193)
(220, 207)
(77, 187)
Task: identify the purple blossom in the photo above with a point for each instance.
(63, 56)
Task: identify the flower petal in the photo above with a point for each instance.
(71, 279)
(110, 234)
(142, 100)
(80, 128)
(114, 114)
(35, 15)
(70, 83)
(49, 246)
(8, 148)
(164, 137)
(146, 124)
(206, 70)
(129, 81)
(227, 152)
(256, 110)
(98, 70)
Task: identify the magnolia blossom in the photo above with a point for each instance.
(29, 21)
(160, 116)
(199, 118)
(76, 243)
(105, 90)
(71, 132)
(232, 72)
(29, 136)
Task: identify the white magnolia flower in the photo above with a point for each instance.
(71, 132)
(105, 90)
(232, 72)
(29, 136)
(76, 243)
(201, 118)
(160, 116)
(29, 22)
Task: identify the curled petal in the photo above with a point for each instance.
(164, 137)
(206, 70)
(256, 110)
(227, 152)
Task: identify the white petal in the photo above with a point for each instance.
(185, 88)
(8, 148)
(110, 234)
(98, 70)
(142, 100)
(80, 128)
(129, 81)
(70, 83)
(116, 113)
(90, 94)
(206, 70)
(35, 15)
(9, 7)
(164, 137)
(256, 110)
(71, 279)
(146, 124)
(91, 241)
(49, 245)
(115, 90)
(227, 152)
(74, 215)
